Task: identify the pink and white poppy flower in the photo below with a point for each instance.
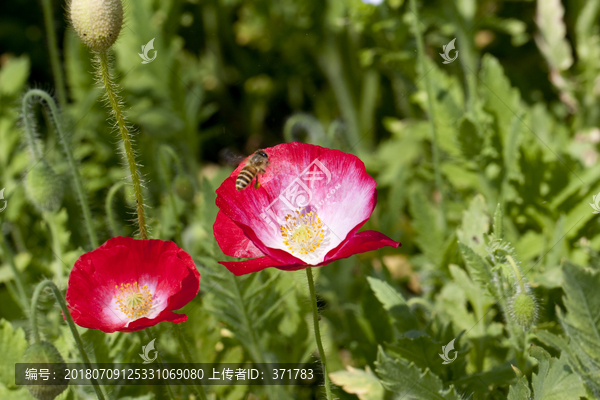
(307, 211)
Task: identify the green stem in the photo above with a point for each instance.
(313, 295)
(169, 150)
(164, 153)
(152, 335)
(370, 91)
(331, 62)
(23, 298)
(517, 273)
(67, 314)
(467, 54)
(188, 359)
(59, 80)
(109, 210)
(85, 207)
(56, 248)
(434, 143)
(120, 118)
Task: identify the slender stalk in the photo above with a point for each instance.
(85, 207)
(36, 153)
(56, 248)
(23, 298)
(110, 215)
(169, 150)
(514, 331)
(120, 118)
(370, 91)
(434, 143)
(164, 153)
(332, 64)
(188, 359)
(59, 79)
(152, 335)
(313, 295)
(517, 273)
(67, 314)
(467, 54)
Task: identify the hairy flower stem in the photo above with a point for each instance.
(521, 356)
(110, 215)
(85, 207)
(116, 107)
(517, 273)
(59, 79)
(430, 96)
(67, 314)
(188, 359)
(152, 335)
(49, 217)
(313, 295)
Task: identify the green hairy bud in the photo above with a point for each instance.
(45, 352)
(97, 22)
(183, 187)
(524, 310)
(523, 307)
(44, 187)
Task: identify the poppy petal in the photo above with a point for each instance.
(362, 242)
(307, 210)
(256, 264)
(144, 323)
(232, 240)
(330, 183)
(124, 281)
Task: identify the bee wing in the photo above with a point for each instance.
(232, 157)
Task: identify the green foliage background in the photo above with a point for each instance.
(515, 119)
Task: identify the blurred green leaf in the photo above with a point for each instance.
(554, 380)
(13, 75)
(394, 304)
(363, 383)
(406, 379)
(12, 347)
(581, 322)
(475, 223)
(552, 39)
(520, 390)
(471, 142)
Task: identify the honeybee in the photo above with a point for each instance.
(255, 165)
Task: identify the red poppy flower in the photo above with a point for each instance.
(127, 285)
(307, 211)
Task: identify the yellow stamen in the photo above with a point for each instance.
(302, 232)
(133, 300)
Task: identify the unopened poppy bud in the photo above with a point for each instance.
(524, 310)
(46, 353)
(97, 22)
(44, 187)
(183, 188)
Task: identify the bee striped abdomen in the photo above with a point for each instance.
(245, 177)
